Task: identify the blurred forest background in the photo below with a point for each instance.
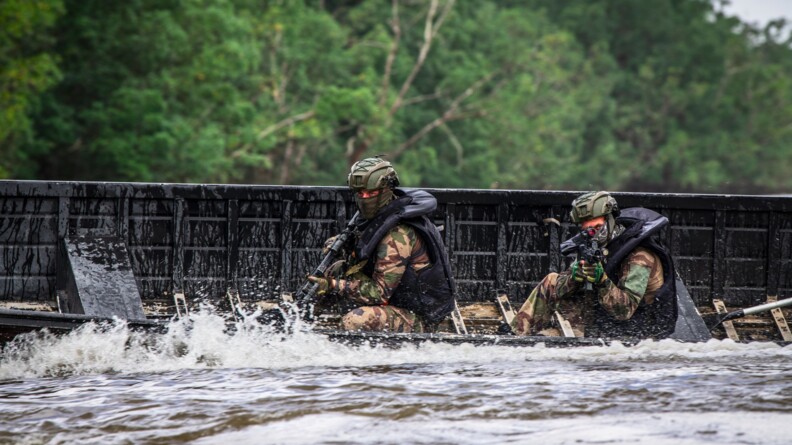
(661, 95)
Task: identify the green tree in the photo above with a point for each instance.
(690, 85)
(156, 90)
(28, 67)
(668, 95)
(427, 85)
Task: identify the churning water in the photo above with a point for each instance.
(202, 384)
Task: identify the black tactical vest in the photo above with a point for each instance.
(430, 291)
(656, 320)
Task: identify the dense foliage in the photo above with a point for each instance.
(667, 95)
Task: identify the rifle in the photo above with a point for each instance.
(307, 294)
(588, 250)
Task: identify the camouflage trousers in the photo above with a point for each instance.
(536, 314)
(381, 318)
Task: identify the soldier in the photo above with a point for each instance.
(632, 288)
(398, 269)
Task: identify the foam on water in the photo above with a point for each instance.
(650, 429)
(206, 342)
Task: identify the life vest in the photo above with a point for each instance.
(428, 292)
(656, 320)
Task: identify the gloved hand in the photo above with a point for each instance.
(593, 273)
(328, 242)
(325, 284)
(577, 274)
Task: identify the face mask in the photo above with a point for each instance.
(370, 205)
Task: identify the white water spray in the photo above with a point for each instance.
(206, 340)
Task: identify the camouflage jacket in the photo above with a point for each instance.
(397, 250)
(642, 277)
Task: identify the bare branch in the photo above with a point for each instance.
(286, 158)
(455, 142)
(358, 145)
(282, 88)
(274, 70)
(285, 123)
(344, 128)
(450, 114)
(350, 146)
(394, 48)
(274, 128)
(443, 16)
(429, 33)
(301, 150)
(447, 117)
(472, 89)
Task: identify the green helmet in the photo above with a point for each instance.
(593, 205)
(372, 175)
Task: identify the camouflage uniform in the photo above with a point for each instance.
(642, 277)
(387, 267)
(398, 249)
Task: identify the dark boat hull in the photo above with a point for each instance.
(390, 339)
(211, 241)
(14, 322)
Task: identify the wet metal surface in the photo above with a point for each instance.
(201, 239)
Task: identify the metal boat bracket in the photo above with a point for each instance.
(505, 307)
(727, 325)
(180, 301)
(779, 319)
(563, 323)
(459, 322)
(236, 303)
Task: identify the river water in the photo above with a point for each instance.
(201, 384)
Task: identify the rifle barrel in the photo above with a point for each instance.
(308, 291)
